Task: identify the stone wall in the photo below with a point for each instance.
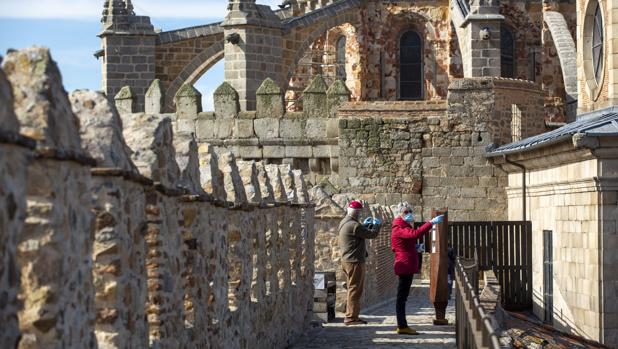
(14, 153)
(307, 140)
(572, 194)
(432, 155)
(115, 239)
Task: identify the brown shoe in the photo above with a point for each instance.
(352, 322)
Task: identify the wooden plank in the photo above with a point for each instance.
(512, 253)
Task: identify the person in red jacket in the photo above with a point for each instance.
(403, 243)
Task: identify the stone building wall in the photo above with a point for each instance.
(572, 194)
(432, 155)
(121, 245)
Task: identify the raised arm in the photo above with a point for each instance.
(411, 233)
(370, 232)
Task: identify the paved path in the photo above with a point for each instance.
(380, 330)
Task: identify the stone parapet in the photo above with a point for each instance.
(129, 245)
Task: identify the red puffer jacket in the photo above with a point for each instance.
(403, 243)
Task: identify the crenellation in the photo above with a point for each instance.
(125, 100)
(154, 261)
(155, 97)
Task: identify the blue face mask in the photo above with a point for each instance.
(408, 218)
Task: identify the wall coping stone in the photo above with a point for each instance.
(388, 106)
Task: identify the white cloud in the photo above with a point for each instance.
(89, 9)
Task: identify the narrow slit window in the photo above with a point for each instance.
(507, 53)
(340, 72)
(411, 66)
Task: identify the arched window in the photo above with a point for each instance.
(597, 44)
(340, 72)
(411, 66)
(507, 50)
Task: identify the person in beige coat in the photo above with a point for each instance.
(352, 235)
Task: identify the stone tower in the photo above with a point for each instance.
(253, 49)
(128, 43)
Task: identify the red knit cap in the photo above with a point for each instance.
(355, 205)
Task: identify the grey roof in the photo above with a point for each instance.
(599, 123)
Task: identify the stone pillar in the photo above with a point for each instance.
(128, 42)
(482, 39)
(253, 49)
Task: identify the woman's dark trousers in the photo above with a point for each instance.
(405, 281)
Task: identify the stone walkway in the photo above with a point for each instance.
(380, 330)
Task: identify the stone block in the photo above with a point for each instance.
(243, 128)
(273, 151)
(125, 100)
(249, 152)
(266, 128)
(315, 128)
(332, 128)
(321, 151)
(298, 151)
(185, 126)
(205, 129)
(224, 128)
(291, 128)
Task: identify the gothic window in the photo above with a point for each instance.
(597, 44)
(340, 73)
(411, 66)
(507, 50)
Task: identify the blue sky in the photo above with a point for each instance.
(69, 29)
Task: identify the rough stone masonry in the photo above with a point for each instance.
(117, 232)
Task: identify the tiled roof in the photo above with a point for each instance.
(599, 123)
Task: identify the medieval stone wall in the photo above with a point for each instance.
(433, 156)
(113, 238)
(307, 140)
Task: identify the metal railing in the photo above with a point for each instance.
(474, 328)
